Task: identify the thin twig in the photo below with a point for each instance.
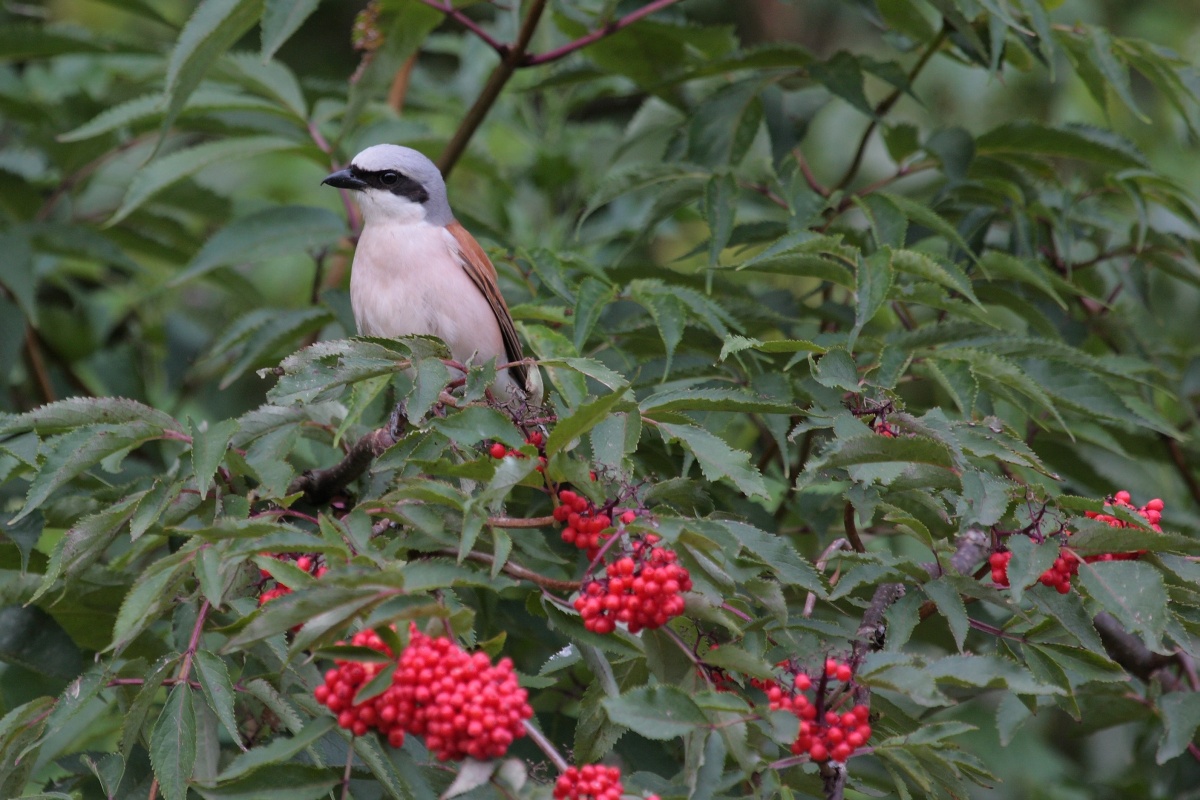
(1181, 466)
(520, 522)
(546, 746)
(885, 106)
(518, 572)
(468, 23)
(491, 90)
(597, 35)
(852, 529)
(37, 365)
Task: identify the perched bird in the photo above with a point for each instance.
(418, 271)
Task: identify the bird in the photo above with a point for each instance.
(417, 270)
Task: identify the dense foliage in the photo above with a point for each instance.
(865, 470)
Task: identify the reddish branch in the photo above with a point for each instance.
(513, 57)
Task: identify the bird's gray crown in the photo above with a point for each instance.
(419, 178)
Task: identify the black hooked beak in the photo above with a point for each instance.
(344, 179)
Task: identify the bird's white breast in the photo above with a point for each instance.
(407, 279)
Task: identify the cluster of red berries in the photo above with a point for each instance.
(1066, 565)
(583, 523)
(306, 563)
(591, 782)
(498, 450)
(460, 702)
(824, 734)
(1151, 512)
(642, 589)
(1057, 577)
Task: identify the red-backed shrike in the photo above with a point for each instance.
(418, 271)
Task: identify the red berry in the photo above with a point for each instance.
(498, 450)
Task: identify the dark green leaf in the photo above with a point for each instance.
(173, 743)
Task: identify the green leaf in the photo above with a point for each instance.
(592, 298)
(873, 449)
(1116, 73)
(84, 542)
(843, 76)
(875, 276)
(211, 30)
(277, 782)
(172, 168)
(20, 730)
(1028, 562)
(720, 208)
(153, 591)
(923, 215)
(19, 276)
(218, 691)
(987, 672)
(208, 450)
(668, 311)
(1077, 141)
(723, 127)
(33, 639)
(736, 344)
(1181, 717)
(281, 19)
(24, 41)
(950, 605)
(713, 400)
(656, 712)
(75, 453)
(717, 459)
(923, 266)
(1131, 591)
(581, 420)
(837, 370)
(279, 750)
(173, 743)
(595, 733)
(76, 412)
(265, 234)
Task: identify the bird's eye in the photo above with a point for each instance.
(389, 178)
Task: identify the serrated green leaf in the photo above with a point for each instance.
(211, 30)
(172, 168)
(720, 208)
(262, 235)
(218, 691)
(208, 450)
(281, 19)
(581, 420)
(277, 782)
(173, 743)
(950, 605)
(1131, 591)
(717, 459)
(656, 712)
(1181, 717)
(874, 280)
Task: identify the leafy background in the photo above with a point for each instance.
(722, 229)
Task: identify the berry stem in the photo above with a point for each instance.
(346, 771)
(546, 746)
(520, 522)
(518, 572)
